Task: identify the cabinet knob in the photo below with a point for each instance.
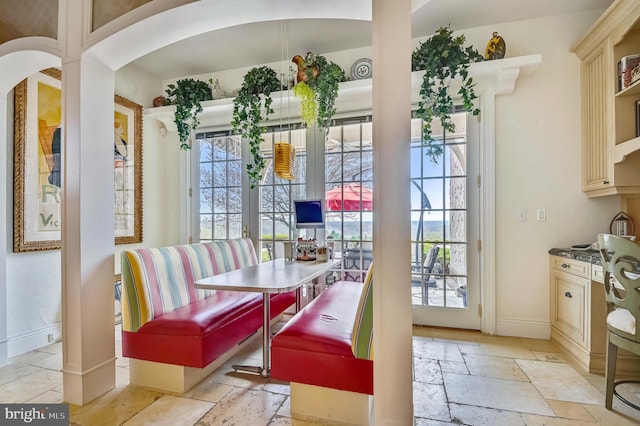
(567, 294)
(564, 265)
(606, 182)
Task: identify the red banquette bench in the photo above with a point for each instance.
(326, 352)
(167, 321)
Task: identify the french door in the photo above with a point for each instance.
(348, 177)
(227, 208)
(444, 206)
(445, 225)
(220, 186)
(336, 168)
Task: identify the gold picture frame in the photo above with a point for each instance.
(128, 174)
(36, 175)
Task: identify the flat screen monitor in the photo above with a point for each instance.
(309, 214)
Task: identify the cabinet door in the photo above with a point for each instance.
(597, 173)
(568, 305)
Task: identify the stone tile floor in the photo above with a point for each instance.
(460, 377)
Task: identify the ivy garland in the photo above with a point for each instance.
(249, 114)
(443, 58)
(186, 95)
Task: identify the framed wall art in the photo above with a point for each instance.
(128, 171)
(37, 174)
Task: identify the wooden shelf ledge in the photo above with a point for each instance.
(355, 95)
(623, 149)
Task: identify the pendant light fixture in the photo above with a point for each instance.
(284, 154)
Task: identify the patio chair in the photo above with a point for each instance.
(424, 278)
(620, 260)
(356, 262)
(275, 251)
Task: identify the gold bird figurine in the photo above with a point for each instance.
(496, 48)
(302, 68)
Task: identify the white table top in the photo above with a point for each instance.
(277, 276)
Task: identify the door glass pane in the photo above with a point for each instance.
(349, 196)
(277, 222)
(220, 186)
(439, 217)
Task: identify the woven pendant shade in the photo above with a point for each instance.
(285, 155)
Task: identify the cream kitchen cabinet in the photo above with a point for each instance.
(578, 314)
(570, 285)
(610, 145)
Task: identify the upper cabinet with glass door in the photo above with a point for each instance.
(610, 128)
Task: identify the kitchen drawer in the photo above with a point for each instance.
(569, 305)
(576, 267)
(597, 273)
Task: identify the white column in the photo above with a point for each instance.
(488, 320)
(4, 239)
(87, 216)
(393, 395)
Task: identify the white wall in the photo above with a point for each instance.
(538, 166)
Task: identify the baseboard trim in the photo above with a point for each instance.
(32, 340)
(525, 329)
(3, 353)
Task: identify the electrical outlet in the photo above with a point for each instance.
(50, 337)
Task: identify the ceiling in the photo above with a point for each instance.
(261, 42)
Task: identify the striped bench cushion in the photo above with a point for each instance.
(160, 280)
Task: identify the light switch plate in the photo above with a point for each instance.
(541, 214)
(521, 215)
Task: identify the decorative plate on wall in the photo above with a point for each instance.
(361, 69)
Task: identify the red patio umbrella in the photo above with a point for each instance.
(349, 197)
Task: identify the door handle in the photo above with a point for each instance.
(567, 294)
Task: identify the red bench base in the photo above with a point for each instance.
(329, 406)
(197, 334)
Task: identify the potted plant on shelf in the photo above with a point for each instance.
(317, 88)
(443, 57)
(186, 95)
(249, 113)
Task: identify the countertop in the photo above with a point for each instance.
(590, 256)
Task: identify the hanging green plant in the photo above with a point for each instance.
(322, 77)
(443, 58)
(249, 113)
(308, 104)
(186, 95)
